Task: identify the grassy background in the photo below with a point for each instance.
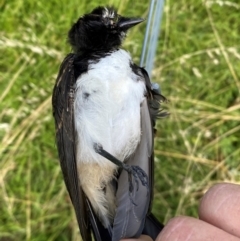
(197, 65)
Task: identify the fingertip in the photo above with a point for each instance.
(220, 207)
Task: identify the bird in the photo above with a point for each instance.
(105, 109)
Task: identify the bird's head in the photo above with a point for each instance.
(101, 30)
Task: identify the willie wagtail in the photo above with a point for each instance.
(105, 110)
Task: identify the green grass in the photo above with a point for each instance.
(197, 65)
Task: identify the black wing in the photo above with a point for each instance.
(63, 112)
(154, 99)
(152, 226)
(131, 220)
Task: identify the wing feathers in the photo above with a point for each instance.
(63, 112)
(154, 99)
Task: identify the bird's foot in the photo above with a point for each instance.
(135, 172)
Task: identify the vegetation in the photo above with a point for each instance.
(197, 66)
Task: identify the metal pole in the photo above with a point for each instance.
(151, 35)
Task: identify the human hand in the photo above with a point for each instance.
(219, 218)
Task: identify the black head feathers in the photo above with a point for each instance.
(101, 30)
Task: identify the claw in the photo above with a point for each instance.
(138, 174)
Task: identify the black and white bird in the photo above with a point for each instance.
(105, 110)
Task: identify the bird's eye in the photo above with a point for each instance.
(110, 21)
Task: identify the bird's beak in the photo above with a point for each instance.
(126, 23)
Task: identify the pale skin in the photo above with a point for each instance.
(219, 218)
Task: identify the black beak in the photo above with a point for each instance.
(126, 23)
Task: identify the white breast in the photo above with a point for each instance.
(107, 108)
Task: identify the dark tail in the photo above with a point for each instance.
(152, 227)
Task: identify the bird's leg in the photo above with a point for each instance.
(135, 171)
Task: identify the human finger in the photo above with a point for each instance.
(192, 229)
(220, 207)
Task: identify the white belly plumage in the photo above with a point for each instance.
(107, 112)
(107, 108)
